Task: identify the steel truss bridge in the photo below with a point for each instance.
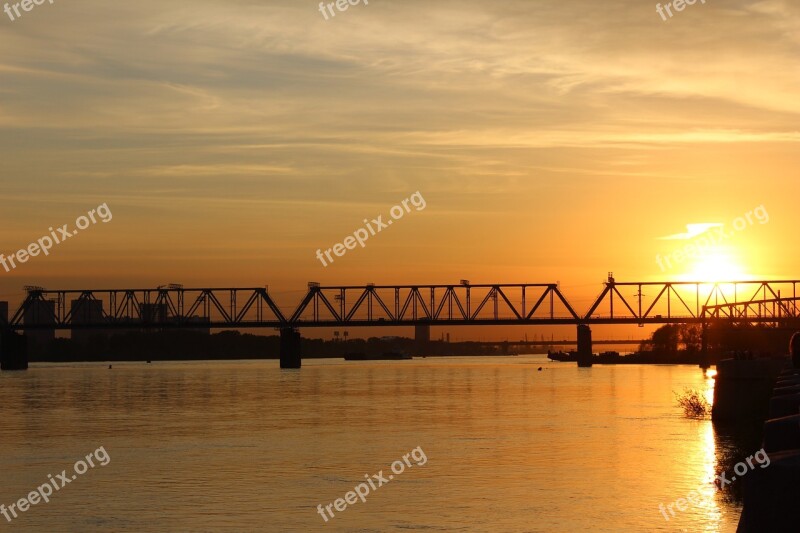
(406, 305)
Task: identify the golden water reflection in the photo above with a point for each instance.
(242, 446)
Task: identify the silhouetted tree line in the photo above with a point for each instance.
(193, 345)
(682, 342)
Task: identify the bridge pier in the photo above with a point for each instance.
(584, 345)
(13, 351)
(290, 348)
(422, 339)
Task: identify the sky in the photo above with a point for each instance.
(551, 141)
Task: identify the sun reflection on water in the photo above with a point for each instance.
(707, 463)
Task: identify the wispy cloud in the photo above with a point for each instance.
(692, 231)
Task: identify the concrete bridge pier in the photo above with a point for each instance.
(13, 351)
(422, 339)
(290, 348)
(584, 345)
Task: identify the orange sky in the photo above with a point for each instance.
(552, 141)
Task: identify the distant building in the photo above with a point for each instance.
(86, 312)
(153, 313)
(41, 313)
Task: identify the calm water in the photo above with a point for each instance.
(243, 446)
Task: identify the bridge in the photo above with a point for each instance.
(421, 306)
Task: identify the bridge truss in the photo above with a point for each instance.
(383, 305)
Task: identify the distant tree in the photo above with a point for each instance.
(691, 337)
(646, 346)
(666, 339)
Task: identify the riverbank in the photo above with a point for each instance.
(636, 358)
(770, 496)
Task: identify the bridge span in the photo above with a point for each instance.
(421, 306)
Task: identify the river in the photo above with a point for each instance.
(244, 446)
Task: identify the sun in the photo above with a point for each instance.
(717, 267)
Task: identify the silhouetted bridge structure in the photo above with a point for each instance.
(422, 306)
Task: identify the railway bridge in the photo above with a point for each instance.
(370, 305)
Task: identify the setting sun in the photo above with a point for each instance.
(717, 267)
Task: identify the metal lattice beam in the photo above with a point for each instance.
(380, 305)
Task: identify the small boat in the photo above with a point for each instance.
(562, 356)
